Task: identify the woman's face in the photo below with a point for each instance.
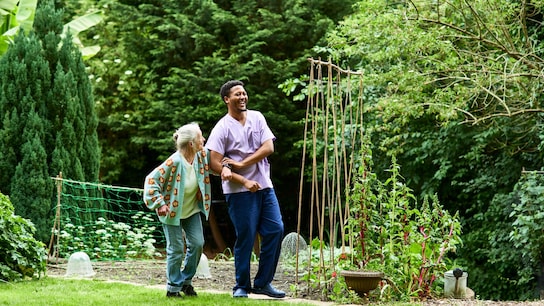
(199, 142)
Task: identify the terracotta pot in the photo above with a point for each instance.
(362, 282)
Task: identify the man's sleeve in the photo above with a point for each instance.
(215, 140)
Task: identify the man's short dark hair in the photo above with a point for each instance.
(225, 89)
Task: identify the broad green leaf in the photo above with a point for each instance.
(11, 32)
(83, 23)
(8, 5)
(88, 52)
(6, 39)
(23, 10)
(25, 14)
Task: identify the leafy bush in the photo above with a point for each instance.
(107, 239)
(394, 234)
(511, 243)
(23, 255)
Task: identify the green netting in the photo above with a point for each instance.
(106, 222)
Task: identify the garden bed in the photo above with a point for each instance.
(152, 273)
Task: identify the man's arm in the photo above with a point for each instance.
(215, 161)
(226, 173)
(263, 152)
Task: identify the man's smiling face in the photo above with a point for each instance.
(237, 99)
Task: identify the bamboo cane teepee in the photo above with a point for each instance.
(333, 135)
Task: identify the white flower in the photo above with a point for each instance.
(100, 232)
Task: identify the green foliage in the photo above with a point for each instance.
(389, 231)
(517, 217)
(410, 243)
(15, 15)
(161, 65)
(18, 15)
(528, 216)
(508, 260)
(24, 256)
(107, 239)
(436, 61)
(500, 271)
(31, 183)
(453, 91)
(49, 119)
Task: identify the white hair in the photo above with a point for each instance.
(185, 135)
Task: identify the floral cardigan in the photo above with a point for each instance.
(165, 186)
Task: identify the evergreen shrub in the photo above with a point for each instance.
(24, 256)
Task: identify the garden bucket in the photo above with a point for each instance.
(455, 286)
(79, 265)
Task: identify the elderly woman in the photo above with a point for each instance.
(179, 190)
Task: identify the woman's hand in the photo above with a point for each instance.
(226, 174)
(232, 163)
(164, 210)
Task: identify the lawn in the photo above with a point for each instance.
(64, 292)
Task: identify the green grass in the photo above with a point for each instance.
(63, 292)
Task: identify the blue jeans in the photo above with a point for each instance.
(194, 239)
(253, 213)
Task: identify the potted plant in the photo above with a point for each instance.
(362, 263)
(390, 237)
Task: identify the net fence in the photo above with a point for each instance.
(106, 222)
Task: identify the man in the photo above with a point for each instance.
(239, 145)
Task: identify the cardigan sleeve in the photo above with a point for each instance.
(154, 185)
(207, 161)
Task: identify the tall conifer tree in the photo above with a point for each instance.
(48, 121)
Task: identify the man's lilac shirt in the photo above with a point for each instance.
(235, 141)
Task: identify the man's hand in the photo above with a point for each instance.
(228, 175)
(252, 186)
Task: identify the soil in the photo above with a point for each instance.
(152, 273)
